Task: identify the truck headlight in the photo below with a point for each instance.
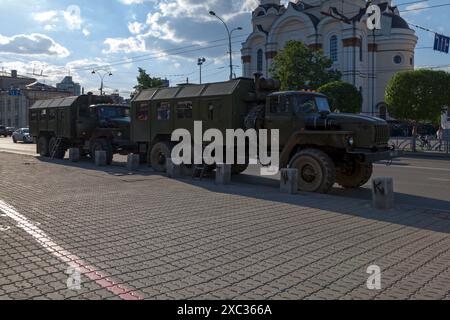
(119, 134)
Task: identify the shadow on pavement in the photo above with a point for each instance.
(350, 202)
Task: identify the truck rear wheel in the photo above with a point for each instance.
(354, 175)
(158, 155)
(102, 145)
(316, 172)
(42, 146)
(60, 150)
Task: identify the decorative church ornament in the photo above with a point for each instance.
(374, 20)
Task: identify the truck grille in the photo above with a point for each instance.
(381, 134)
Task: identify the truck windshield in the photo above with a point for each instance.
(308, 103)
(113, 112)
(322, 104)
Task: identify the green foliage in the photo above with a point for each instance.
(145, 81)
(418, 95)
(299, 67)
(342, 96)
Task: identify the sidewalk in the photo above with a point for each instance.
(146, 236)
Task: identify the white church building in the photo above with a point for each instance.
(367, 59)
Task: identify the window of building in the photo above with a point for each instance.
(143, 112)
(398, 59)
(184, 110)
(334, 48)
(259, 61)
(163, 111)
(361, 54)
(33, 116)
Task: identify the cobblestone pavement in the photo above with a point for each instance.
(145, 236)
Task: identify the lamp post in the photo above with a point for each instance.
(201, 61)
(102, 74)
(230, 33)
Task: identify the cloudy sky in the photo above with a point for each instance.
(165, 37)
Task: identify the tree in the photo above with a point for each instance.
(342, 96)
(418, 95)
(299, 67)
(145, 81)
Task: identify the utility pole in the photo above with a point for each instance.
(102, 74)
(201, 61)
(229, 40)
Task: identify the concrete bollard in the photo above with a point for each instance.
(100, 158)
(383, 193)
(133, 161)
(173, 171)
(289, 181)
(74, 154)
(223, 174)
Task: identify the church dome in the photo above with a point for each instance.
(397, 21)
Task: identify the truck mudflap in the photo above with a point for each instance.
(371, 157)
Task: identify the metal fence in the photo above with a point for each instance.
(421, 144)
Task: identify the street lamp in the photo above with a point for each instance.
(102, 74)
(229, 40)
(201, 61)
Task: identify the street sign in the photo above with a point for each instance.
(441, 43)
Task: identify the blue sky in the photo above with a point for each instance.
(62, 36)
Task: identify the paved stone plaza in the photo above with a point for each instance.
(146, 236)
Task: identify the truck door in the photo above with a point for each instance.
(212, 114)
(279, 116)
(184, 115)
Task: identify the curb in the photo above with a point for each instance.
(425, 155)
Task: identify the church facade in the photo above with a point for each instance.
(367, 59)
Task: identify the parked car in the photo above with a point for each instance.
(3, 131)
(10, 130)
(22, 135)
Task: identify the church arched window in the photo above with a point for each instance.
(334, 48)
(259, 61)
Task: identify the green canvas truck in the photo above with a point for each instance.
(325, 147)
(87, 122)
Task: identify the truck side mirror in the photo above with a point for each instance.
(324, 114)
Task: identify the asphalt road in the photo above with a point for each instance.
(419, 182)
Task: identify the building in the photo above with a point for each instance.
(18, 94)
(366, 59)
(67, 84)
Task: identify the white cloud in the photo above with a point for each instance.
(32, 44)
(136, 27)
(69, 18)
(126, 45)
(86, 32)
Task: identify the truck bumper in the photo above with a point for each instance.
(371, 157)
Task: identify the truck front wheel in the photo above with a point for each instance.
(354, 175)
(42, 146)
(102, 145)
(158, 155)
(316, 172)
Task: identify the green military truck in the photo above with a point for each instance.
(88, 122)
(325, 147)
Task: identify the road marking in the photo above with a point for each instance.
(70, 259)
(413, 167)
(440, 179)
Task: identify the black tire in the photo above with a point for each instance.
(60, 151)
(42, 146)
(102, 145)
(14, 140)
(316, 171)
(158, 155)
(238, 168)
(24, 140)
(354, 175)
